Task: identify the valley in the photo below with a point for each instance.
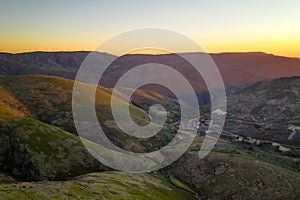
(41, 155)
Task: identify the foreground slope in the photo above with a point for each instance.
(32, 150)
(221, 176)
(108, 185)
(236, 171)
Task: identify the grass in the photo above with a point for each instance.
(49, 99)
(108, 185)
(54, 153)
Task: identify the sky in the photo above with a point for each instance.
(271, 26)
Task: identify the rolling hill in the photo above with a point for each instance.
(49, 99)
(36, 126)
(36, 108)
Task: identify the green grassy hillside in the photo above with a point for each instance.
(49, 99)
(108, 185)
(33, 146)
(33, 150)
(36, 124)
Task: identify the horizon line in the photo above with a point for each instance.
(153, 54)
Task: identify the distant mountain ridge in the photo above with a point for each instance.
(69, 61)
(236, 68)
(62, 64)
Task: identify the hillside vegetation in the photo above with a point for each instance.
(235, 176)
(32, 150)
(36, 138)
(267, 109)
(36, 126)
(108, 185)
